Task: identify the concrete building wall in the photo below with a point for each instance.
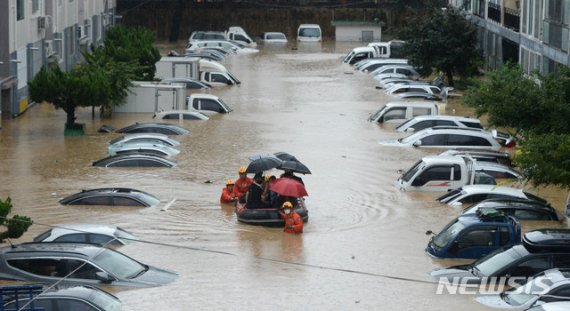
(358, 33)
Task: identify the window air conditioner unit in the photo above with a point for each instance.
(49, 48)
(42, 22)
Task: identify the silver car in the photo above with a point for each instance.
(100, 234)
(77, 264)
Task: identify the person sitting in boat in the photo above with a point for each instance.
(253, 196)
(228, 195)
(242, 184)
(293, 221)
(290, 174)
(268, 196)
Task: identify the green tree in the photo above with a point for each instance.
(16, 226)
(536, 108)
(443, 41)
(81, 87)
(124, 45)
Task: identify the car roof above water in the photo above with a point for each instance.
(547, 240)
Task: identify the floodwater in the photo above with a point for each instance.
(363, 248)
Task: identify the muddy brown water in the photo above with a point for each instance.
(363, 248)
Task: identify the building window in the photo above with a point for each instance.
(35, 6)
(20, 10)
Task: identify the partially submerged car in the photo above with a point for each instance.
(161, 128)
(445, 173)
(475, 235)
(476, 193)
(180, 115)
(422, 122)
(142, 147)
(482, 155)
(522, 209)
(188, 83)
(99, 234)
(77, 264)
(407, 88)
(447, 137)
(549, 286)
(396, 112)
(154, 138)
(111, 196)
(540, 250)
(134, 160)
(207, 102)
(405, 70)
(76, 298)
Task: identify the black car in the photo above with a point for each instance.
(540, 250)
(134, 160)
(161, 128)
(111, 196)
(519, 208)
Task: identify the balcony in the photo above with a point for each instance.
(512, 19)
(494, 12)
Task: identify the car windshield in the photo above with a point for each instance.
(124, 236)
(276, 36)
(348, 56)
(309, 32)
(405, 124)
(450, 195)
(105, 301)
(447, 234)
(378, 113)
(520, 295)
(493, 263)
(411, 138)
(118, 264)
(411, 172)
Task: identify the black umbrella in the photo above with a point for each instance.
(295, 166)
(263, 164)
(285, 156)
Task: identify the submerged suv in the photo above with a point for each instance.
(540, 250)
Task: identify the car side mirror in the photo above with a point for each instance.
(410, 129)
(417, 143)
(429, 232)
(400, 172)
(104, 277)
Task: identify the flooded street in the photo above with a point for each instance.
(362, 249)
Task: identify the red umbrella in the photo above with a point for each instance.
(288, 187)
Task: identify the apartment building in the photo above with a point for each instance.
(533, 33)
(36, 33)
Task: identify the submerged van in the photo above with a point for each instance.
(401, 111)
(309, 33)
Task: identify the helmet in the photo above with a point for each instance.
(242, 169)
(229, 182)
(287, 205)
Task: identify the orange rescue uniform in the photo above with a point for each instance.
(227, 196)
(242, 186)
(293, 222)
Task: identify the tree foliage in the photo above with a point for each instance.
(80, 87)
(537, 108)
(444, 41)
(16, 226)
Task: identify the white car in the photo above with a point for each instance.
(309, 33)
(224, 44)
(447, 137)
(550, 286)
(376, 63)
(87, 233)
(406, 88)
(422, 122)
(142, 147)
(180, 115)
(477, 193)
(273, 37)
(406, 70)
(155, 138)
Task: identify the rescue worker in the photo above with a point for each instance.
(242, 184)
(228, 195)
(293, 221)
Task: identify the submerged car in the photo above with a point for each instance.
(273, 37)
(142, 147)
(395, 112)
(476, 193)
(161, 128)
(482, 155)
(77, 264)
(99, 234)
(422, 122)
(180, 115)
(540, 250)
(75, 298)
(188, 83)
(111, 196)
(476, 235)
(134, 160)
(207, 102)
(154, 138)
(447, 137)
(520, 208)
(549, 286)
